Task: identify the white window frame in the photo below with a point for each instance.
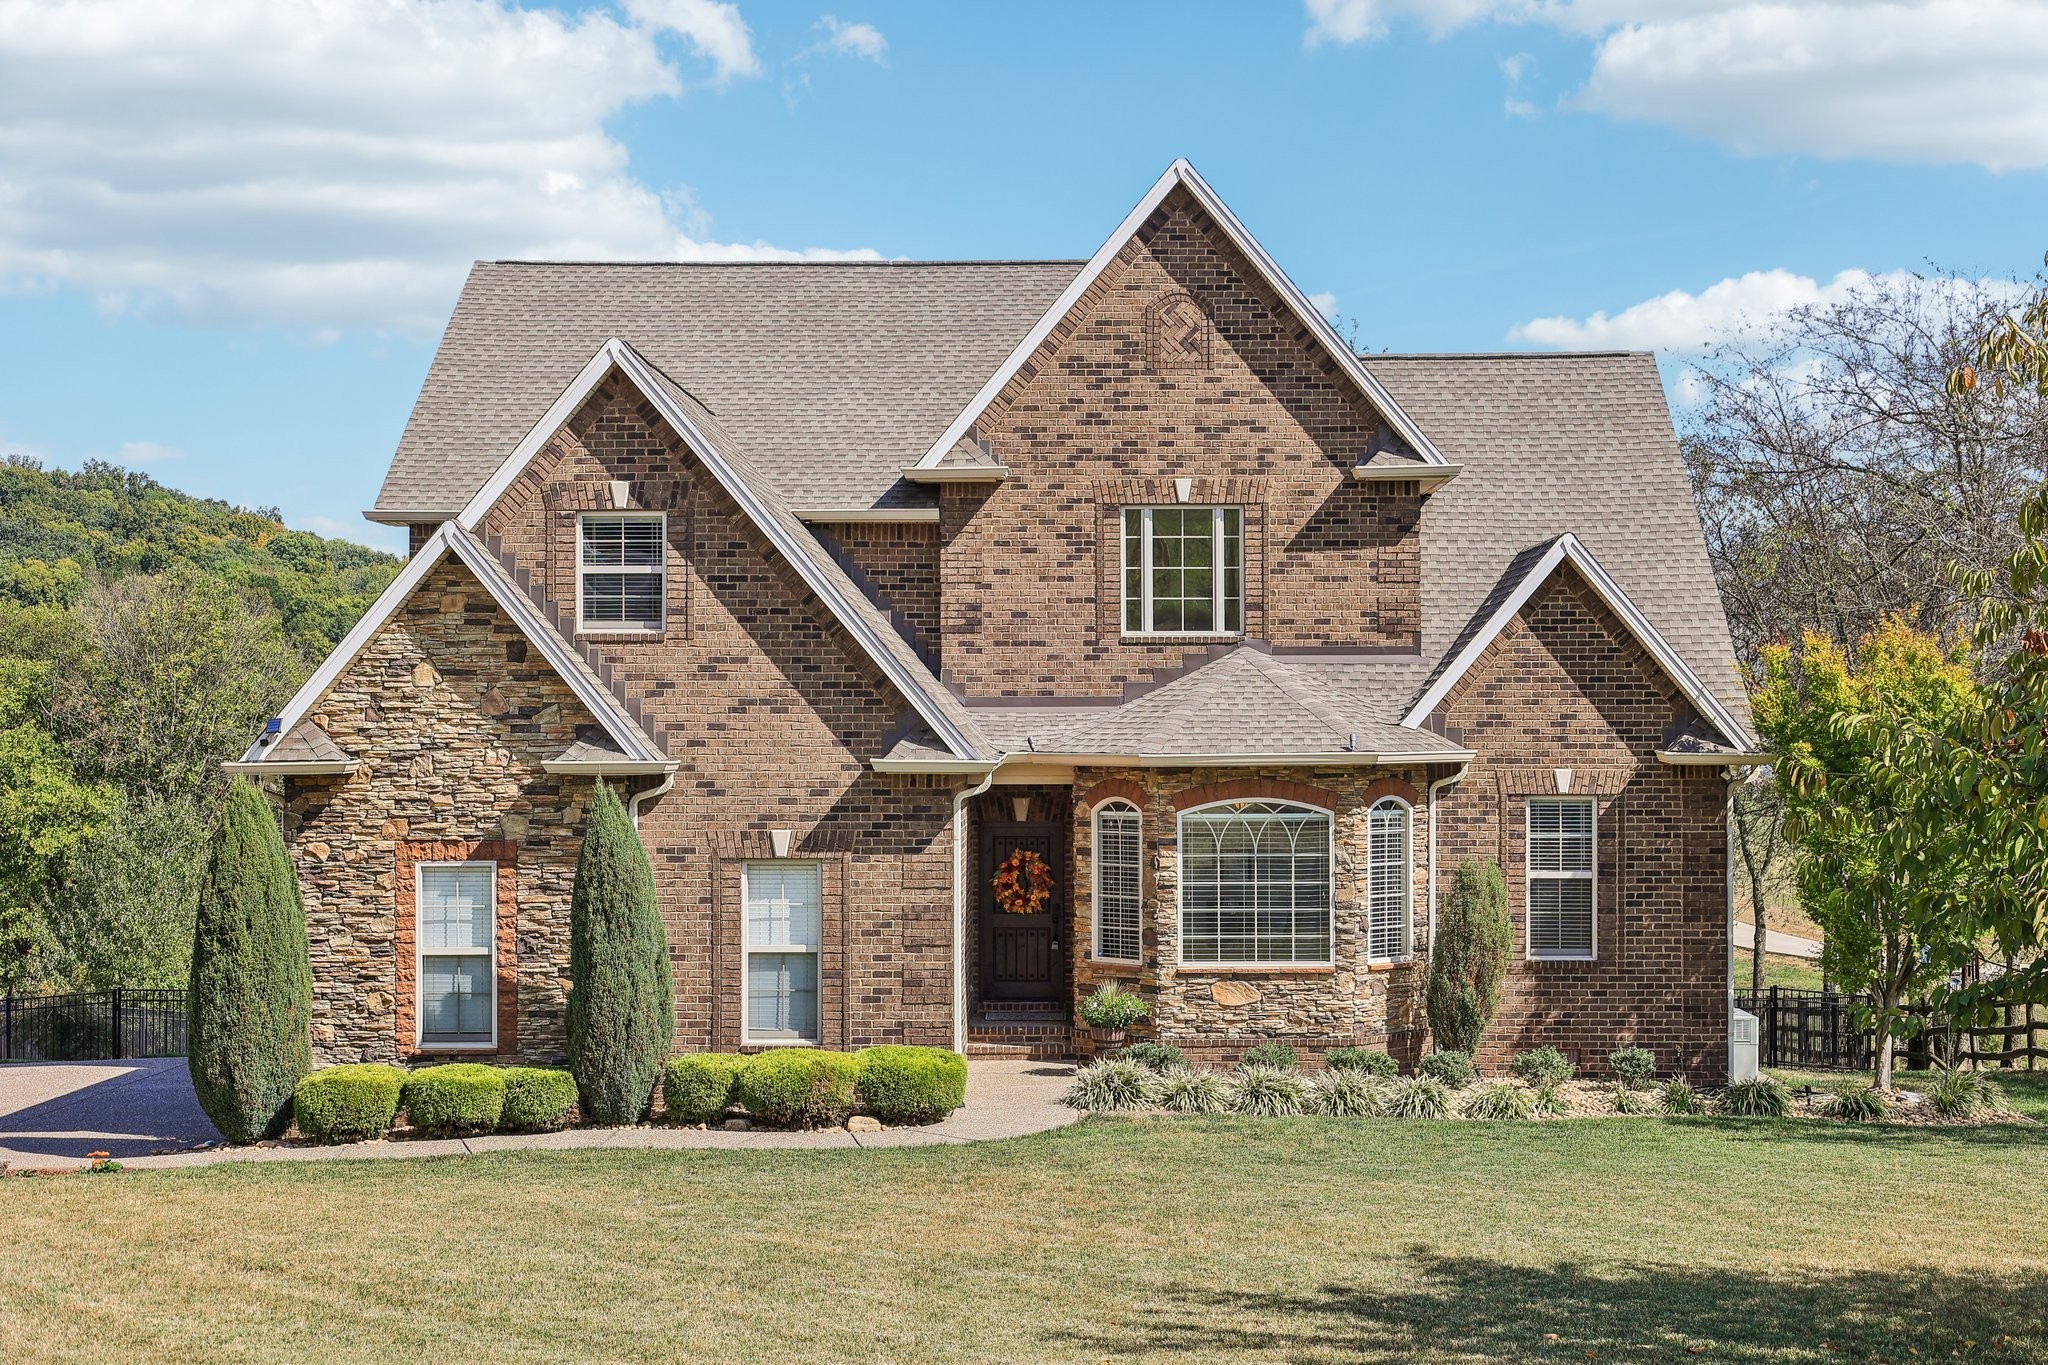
(658, 571)
(1145, 628)
(1406, 950)
(421, 953)
(1532, 876)
(1180, 887)
(1118, 807)
(749, 948)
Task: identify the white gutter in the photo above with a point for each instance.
(1731, 777)
(633, 802)
(1341, 758)
(846, 516)
(1681, 759)
(1434, 788)
(960, 910)
(293, 767)
(571, 767)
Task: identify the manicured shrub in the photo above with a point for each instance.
(1469, 957)
(1964, 1094)
(1185, 1090)
(1548, 1102)
(1857, 1103)
(697, 1087)
(1369, 1060)
(1543, 1066)
(537, 1099)
(1763, 1098)
(1347, 1093)
(249, 1040)
(621, 998)
(1112, 1084)
(1272, 1054)
(1500, 1100)
(1416, 1097)
(802, 1086)
(1159, 1057)
(460, 1097)
(1627, 1101)
(1633, 1066)
(1681, 1098)
(1269, 1091)
(348, 1103)
(1110, 1006)
(1454, 1069)
(910, 1084)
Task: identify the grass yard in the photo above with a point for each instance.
(1792, 973)
(1294, 1239)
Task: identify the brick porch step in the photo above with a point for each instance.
(1017, 1035)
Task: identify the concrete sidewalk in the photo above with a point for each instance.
(144, 1114)
(1784, 945)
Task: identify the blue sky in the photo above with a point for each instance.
(226, 247)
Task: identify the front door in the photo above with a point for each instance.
(1020, 953)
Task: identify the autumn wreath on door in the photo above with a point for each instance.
(1023, 884)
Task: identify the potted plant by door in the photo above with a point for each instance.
(1109, 1011)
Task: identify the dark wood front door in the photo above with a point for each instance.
(1021, 957)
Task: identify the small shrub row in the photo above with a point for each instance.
(359, 1101)
(808, 1086)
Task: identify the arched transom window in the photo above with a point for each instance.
(1390, 879)
(1119, 882)
(1255, 884)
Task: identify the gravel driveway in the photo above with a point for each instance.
(56, 1112)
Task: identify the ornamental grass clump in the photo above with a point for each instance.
(1500, 1100)
(1763, 1098)
(1158, 1057)
(1857, 1104)
(1347, 1093)
(1964, 1094)
(1278, 1055)
(1416, 1097)
(1450, 1066)
(1543, 1066)
(349, 1103)
(1627, 1101)
(1547, 1101)
(538, 1099)
(461, 1097)
(798, 1086)
(697, 1086)
(1269, 1091)
(1110, 1085)
(1186, 1090)
(900, 1084)
(1369, 1060)
(1634, 1067)
(1681, 1098)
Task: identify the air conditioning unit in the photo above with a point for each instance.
(1742, 1045)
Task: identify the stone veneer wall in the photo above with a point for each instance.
(451, 729)
(1215, 1013)
(1177, 362)
(1566, 686)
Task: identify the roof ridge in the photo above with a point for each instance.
(893, 263)
(1369, 356)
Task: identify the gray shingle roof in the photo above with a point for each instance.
(307, 743)
(831, 376)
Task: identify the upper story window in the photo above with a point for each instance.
(1562, 841)
(621, 570)
(1183, 570)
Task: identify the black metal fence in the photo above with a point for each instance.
(92, 1026)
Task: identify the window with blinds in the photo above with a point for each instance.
(455, 928)
(784, 935)
(1561, 857)
(1390, 880)
(1119, 877)
(621, 571)
(1255, 884)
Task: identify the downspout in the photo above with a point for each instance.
(1729, 776)
(960, 907)
(661, 788)
(1434, 788)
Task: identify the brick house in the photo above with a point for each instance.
(867, 581)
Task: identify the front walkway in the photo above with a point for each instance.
(143, 1113)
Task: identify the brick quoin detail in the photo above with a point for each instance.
(1113, 789)
(405, 884)
(1255, 789)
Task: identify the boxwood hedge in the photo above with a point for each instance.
(798, 1085)
(697, 1087)
(537, 1099)
(910, 1084)
(348, 1103)
(461, 1097)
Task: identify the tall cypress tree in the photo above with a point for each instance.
(621, 996)
(251, 1005)
(1468, 960)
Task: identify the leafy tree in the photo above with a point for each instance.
(249, 1040)
(1867, 875)
(1469, 958)
(46, 812)
(1759, 842)
(621, 996)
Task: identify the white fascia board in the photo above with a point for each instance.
(1183, 174)
(934, 767)
(402, 516)
(1345, 758)
(538, 435)
(1725, 760)
(1567, 547)
(570, 767)
(957, 473)
(293, 767)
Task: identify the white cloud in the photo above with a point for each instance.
(1940, 81)
(852, 40)
(134, 453)
(1325, 303)
(332, 165)
(1740, 306)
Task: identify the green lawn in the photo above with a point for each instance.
(1793, 973)
(1294, 1239)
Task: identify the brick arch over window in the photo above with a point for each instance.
(1396, 787)
(1254, 789)
(1113, 789)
